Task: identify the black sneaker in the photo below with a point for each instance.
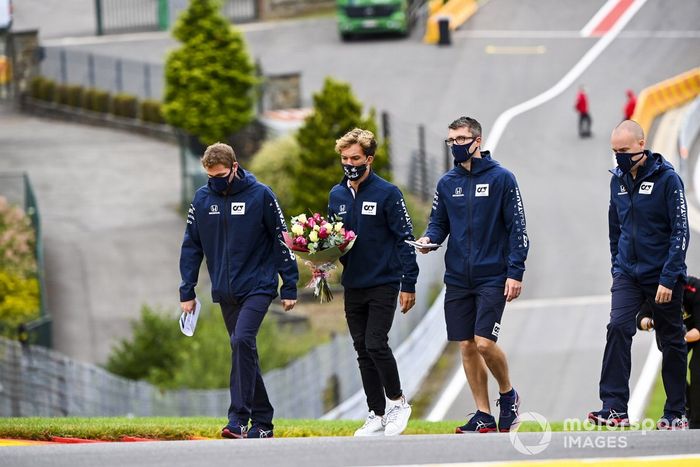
(609, 418)
(234, 431)
(670, 422)
(480, 422)
(509, 411)
(257, 432)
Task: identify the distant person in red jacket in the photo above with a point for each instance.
(630, 105)
(584, 118)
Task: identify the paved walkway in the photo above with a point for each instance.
(108, 201)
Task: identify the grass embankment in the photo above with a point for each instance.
(195, 427)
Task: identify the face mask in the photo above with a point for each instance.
(461, 152)
(220, 184)
(354, 172)
(625, 162)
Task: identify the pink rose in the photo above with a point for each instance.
(323, 233)
(317, 217)
(311, 223)
(300, 241)
(349, 235)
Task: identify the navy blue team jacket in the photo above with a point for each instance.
(239, 235)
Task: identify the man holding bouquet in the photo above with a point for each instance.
(236, 223)
(379, 267)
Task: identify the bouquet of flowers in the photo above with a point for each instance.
(319, 243)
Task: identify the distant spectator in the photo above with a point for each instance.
(584, 118)
(631, 103)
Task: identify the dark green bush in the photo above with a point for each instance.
(151, 111)
(42, 88)
(74, 95)
(96, 100)
(61, 94)
(125, 105)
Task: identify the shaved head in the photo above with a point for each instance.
(631, 127)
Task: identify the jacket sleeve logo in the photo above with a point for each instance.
(369, 208)
(482, 189)
(645, 188)
(341, 209)
(237, 209)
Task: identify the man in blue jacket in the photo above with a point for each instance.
(379, 263)
(649, 237)
(478, 204)
(236, 223)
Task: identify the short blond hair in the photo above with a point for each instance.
(218, 154)
(364, 138)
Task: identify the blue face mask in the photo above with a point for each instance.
(220, 184)
(461, 152)
(625, 162)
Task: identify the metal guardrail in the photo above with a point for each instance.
(17, 189)
(36, 381)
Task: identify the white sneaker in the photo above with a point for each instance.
(396, 417)
(374, 426)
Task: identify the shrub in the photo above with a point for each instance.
(151, 111)
(336, 111)
(210, 80)
(74, 96)
(35, 86)
(43, 89)
(125, 105)
(61, 94)
(96, 100)
(19, 301)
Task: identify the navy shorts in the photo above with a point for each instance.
(470, 312)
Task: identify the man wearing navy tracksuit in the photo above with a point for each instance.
(478, 204)
(649, 237)
(236, 223)
(379, 267)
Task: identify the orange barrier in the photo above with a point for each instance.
(657, 99)
(458, 12)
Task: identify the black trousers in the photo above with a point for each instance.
(370, 314)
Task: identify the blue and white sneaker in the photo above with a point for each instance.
(481, 422)
(234, 431)
(256, 431)
(610, 418)
(510, 404)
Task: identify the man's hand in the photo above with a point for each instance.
(423, 250)
(288, 304)
(663, 295)
(407, 300)
(646, 324)
(188, 306)
(513, 289)
(692, 336)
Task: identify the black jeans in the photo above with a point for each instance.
(370, 314)
(584, 125)
(249, 399)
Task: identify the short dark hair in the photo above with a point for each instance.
(467, 122)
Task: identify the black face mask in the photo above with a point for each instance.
(354, 172)
(220, 184)
(625, 162)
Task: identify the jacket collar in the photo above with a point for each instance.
(479, 165)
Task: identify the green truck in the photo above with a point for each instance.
(356, 17)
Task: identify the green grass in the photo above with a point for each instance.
(655, 408)
(191, 427)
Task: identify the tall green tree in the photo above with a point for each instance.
(336, 111)
(210, 80)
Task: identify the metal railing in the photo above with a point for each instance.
(120, 16)
(17, 189)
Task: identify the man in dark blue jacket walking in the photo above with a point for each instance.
(378, 265)
(649, 236)
(478, 204)
(236, 223)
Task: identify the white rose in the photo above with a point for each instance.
(313, 236)
(297, 229)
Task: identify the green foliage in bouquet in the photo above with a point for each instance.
(336, 111)
(210, 80)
